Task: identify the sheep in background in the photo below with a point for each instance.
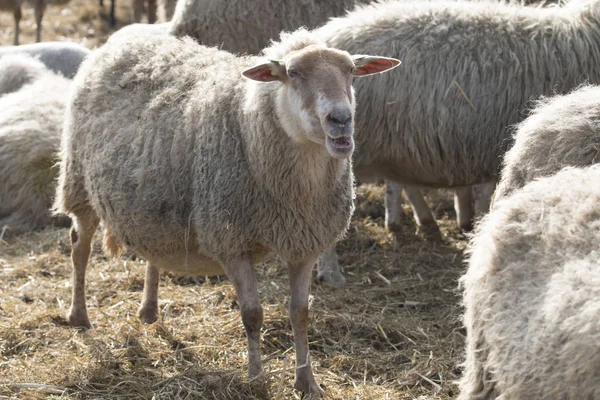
(39, 7)
(181, 159)
(111, 16)
(62, 57)
(30, 128)
(561, 131)
(532, 293)
(18, 70)
(471, 68)
(247, 26)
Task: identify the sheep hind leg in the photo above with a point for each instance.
(241, 273)
(82, 232)
(40, 7)
(299, 274)
(329, 269)
(148, 311)
(17, 16)
(422, 212)
(151, 11)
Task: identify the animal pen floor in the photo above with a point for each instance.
(393, 332)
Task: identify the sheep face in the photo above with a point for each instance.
(315, 100)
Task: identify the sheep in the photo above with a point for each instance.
(247, 26)
(532, 293)
(471, 68)
(62, 57)
(17, 71)
(203, 172)
(30, 129)
(561, 131)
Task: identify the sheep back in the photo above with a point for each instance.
(532, 293)
(561, 131)
(175, 160)
(246, 26)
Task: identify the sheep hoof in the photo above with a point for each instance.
(309, 387)
(466, 226)
(332, 278)
(148, 315)
(394, 227)
(430, 230)
(79, 319)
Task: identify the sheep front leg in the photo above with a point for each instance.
(482, 196)
(148, 311)
(329, 269)
(82, 233)
(241, 273)
(299, 274)
(463, 205)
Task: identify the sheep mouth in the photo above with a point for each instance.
(340, 147)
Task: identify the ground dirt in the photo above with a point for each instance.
(393, 332)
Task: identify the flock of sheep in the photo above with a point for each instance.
(202, 161)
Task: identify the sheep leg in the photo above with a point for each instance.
(40, 7)
(17, 16)
(329, 269)
(113, 20)
(138, 10)
(421, 211)
(393, 206)
(299, 274)
(482, 195)
(463, 207)
(151, 11)
(82, 233)
(148, 311)
(241, 274)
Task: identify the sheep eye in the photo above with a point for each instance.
(292, 73)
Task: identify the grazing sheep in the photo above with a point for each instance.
(247, 26)
(18, 70)
(62, 57)
(30, 128)
(203, 172)
(561, 131)
(471, 68)
(532, 293)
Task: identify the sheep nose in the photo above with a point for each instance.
(340, 118)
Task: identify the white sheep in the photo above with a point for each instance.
(31, 120)
(201, 171)
(471, 68)
(561, 131)
(18, 70)
(62, 57)
(532, 293)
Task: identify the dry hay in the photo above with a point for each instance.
(392, 332)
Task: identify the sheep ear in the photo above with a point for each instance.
(367, 65)
(267, 72)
